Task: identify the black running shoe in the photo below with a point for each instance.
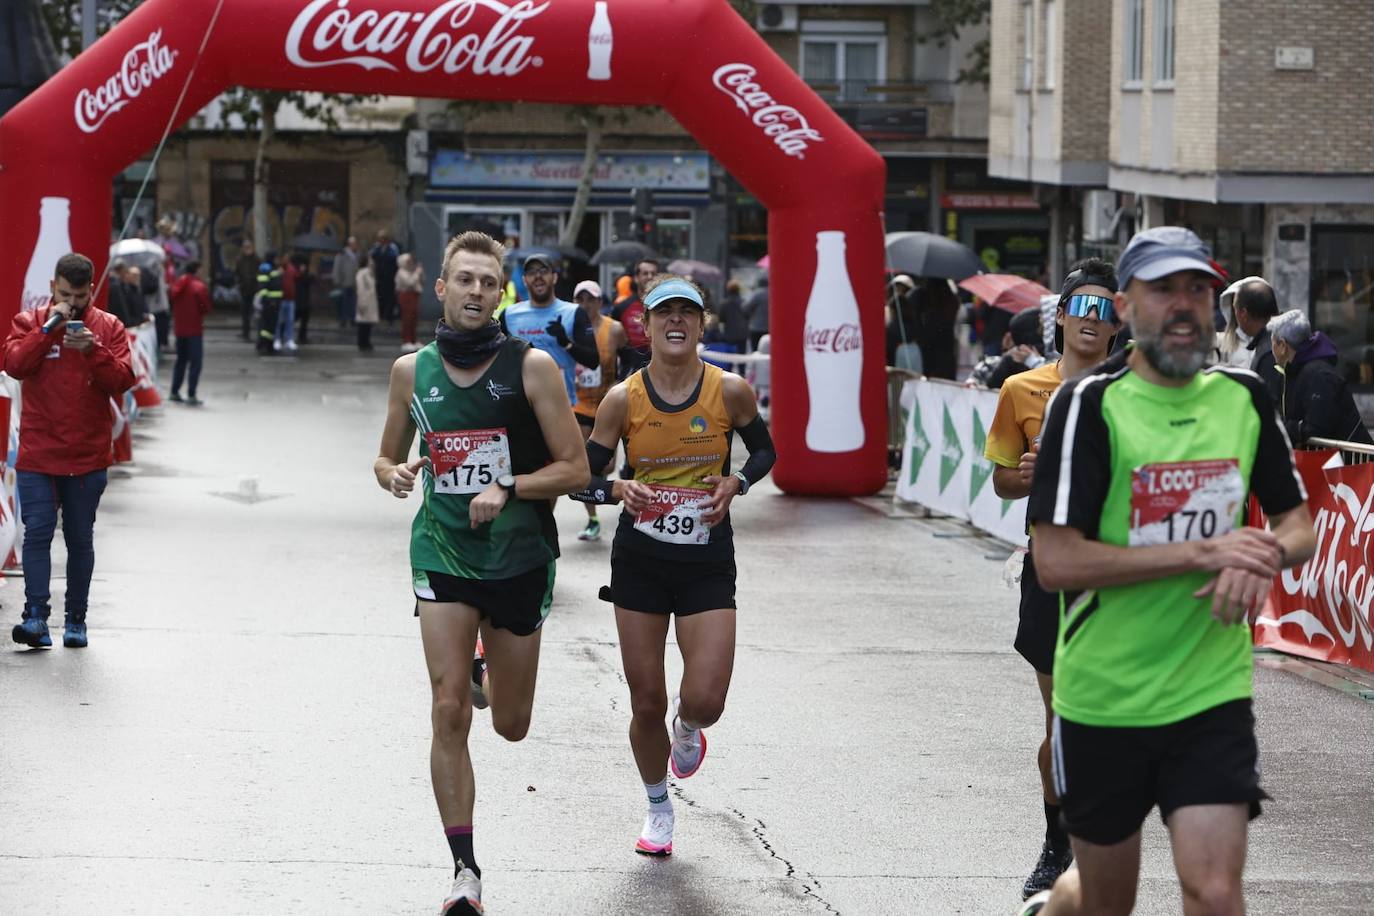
(1054, 861)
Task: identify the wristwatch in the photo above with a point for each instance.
(743, 482)
(507, 483)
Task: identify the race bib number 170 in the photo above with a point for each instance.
(674, 516)
(467, 461)
(1184, 501)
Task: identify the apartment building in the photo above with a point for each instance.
(1246, 120)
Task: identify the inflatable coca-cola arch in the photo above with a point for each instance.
(823, 185)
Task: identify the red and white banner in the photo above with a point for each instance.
(1322, 609)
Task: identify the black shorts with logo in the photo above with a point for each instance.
(1109, 778)
(640, 582)
(519, 604)
(1037, 631)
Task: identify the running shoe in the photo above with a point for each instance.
(656, 839)
(1054, 861)
(689, 746)
(592, 532)
(479, 673)
(466, 897)
(74, 634)
(174, 396)
(1034, 904)
(32, 632)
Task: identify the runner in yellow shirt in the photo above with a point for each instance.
(1086, 325)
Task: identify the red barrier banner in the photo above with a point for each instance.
(1322, 609)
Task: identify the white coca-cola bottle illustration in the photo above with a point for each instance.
(834, 352)
(54, 240)
(599, 44)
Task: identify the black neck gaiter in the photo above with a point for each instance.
(466, 349)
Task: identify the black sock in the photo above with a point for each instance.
(1054, 831)
(460, 844)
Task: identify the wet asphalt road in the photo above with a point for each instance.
(248, 733)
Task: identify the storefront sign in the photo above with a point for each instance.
(988, 202)
(660, 171)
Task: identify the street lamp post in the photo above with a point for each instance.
(89, 9)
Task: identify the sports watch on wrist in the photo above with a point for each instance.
(507, 483)
(743, 482)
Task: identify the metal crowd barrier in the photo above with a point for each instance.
(1351, 452)
(896, 427)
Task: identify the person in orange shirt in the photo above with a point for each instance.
(592, 384)
(1087, 323)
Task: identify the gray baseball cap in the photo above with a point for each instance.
(1161, 251)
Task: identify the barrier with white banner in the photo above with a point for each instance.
(943, 467)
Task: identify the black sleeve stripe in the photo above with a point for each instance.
(1070, 438)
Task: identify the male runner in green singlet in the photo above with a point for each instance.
(1139, 501)
(498, 444)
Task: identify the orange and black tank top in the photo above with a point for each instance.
(673, 448)
(591, 385)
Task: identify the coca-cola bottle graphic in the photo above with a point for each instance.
(834, 352)
(54, 240)
(599, 44)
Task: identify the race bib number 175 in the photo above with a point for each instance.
(467, 461)
(1184, 501)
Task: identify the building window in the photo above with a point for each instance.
(1133, 63)
(1027, 45)
(844, 68)
(1048, 46)
(1343, 296)
(1164, 42)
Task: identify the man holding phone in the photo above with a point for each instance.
(71, 359)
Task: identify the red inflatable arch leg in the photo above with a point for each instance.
(822, 183)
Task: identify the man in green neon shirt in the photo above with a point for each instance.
(1138, 500)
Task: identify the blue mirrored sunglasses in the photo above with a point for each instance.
(1080, 306)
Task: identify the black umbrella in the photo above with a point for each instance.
(624, 252)
(925, 254)
(316, 241)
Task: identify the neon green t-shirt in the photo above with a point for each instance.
(1135, 464)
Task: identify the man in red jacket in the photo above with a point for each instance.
(71, 359)
(190, 305)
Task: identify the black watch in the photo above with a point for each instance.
(743, 482)
(507, 483)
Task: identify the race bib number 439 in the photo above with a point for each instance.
(467, 461)
(674, 516)
(1184, 501)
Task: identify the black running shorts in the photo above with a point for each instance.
(654, 586)
(1038, 629)
(519, 604)
(1108, 779)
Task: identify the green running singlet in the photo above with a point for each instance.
(1134, 464)
(473, 436)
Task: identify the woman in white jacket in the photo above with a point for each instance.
(1233, 344)
(367, 306)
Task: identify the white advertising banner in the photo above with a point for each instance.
(943, 467)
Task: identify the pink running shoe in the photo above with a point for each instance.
(689, 746)
(656, 839)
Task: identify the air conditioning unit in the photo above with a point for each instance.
(1099, 215)
(777, 17)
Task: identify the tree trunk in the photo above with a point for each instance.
(269, 102)
(593, 122)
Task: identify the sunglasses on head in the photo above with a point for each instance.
(1080, 306)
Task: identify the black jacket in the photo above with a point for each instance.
(1315, 399)
(1263, 365)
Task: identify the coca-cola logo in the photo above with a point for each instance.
(144, 64)
(783, 124)
(328, 34)
(1337, 577)
(843, 339)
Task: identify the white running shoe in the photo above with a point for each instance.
(689, 746)
(656, 839)
(466, 897)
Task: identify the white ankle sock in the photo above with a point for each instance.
(659, 802)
